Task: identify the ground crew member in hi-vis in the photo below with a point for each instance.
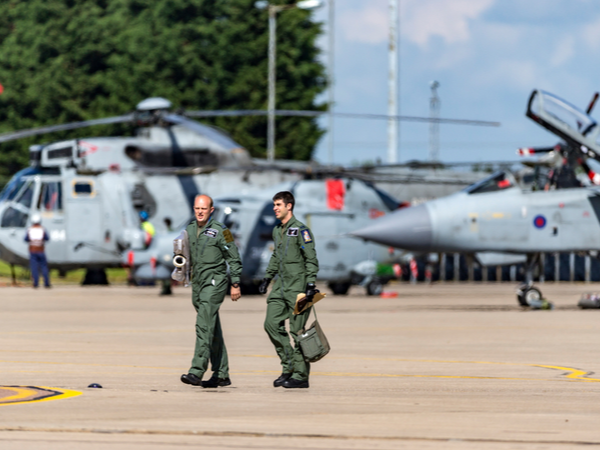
(294, 259)
(211, 246)
(37, 236)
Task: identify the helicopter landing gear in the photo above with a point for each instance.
(96, 277)
(339, 287)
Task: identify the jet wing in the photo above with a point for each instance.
(565, 120)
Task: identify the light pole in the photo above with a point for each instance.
(393, 84)
(331, 68)
(273, 10)
(434, 125)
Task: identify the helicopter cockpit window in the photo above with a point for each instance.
(26, 195)
(495, 182)
(13, 217)
(17, 182)
(50, 197)
(83, 189)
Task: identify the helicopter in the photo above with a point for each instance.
(511, 216)
(330, 206)
(89, 191)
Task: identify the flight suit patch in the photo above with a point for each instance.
(227, 235)
(292, 232)
(211, 232)
(306, 236)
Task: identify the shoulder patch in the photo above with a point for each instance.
(306, 236)
(292, 232)
(211, 232)
(227, 235)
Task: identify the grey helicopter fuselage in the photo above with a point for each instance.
(251, 219)
(89, 192)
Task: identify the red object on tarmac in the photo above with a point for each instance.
(388, 294)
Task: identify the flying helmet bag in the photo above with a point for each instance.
(313, 343)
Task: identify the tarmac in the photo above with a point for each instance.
(443, 366)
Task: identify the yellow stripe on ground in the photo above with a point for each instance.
(571, 374)
(576, 374)
(21, 392)
(24, 392)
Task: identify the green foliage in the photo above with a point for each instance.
(70, 60)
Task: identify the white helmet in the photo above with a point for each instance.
(35, 218)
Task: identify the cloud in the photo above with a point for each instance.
(424, 19)
(420, 20)
(591, 34)
(368, 25)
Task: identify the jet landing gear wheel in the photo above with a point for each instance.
(532, 297)
(527, 294)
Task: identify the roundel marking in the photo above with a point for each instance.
(539, 221)
(12, 395)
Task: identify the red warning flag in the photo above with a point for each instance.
(336, 190)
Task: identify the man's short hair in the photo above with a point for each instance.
(287, 198)
(203, 195)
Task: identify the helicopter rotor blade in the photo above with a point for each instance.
(218, 136)
(11, 136)
(592, 103)
(301, 113)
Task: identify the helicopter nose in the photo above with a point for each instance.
(409, 228)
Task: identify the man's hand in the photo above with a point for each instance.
(311, 290)
(264, 284)
(236, 293)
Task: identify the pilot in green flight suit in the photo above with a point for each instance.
(211, 245)
(294, 259)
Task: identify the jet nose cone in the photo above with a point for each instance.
(409, 228)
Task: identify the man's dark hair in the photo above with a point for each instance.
(287, 198)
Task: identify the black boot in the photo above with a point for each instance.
(190, 378)
(214, 382)
(295, 384)
(283, 377)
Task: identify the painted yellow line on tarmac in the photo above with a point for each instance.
(576, 374)
(33, 394)
(572, 374)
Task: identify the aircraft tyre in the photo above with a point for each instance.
(531, 296)
(95, 277)
(375, 287)
(339, 288)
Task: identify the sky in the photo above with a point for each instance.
(487, 55)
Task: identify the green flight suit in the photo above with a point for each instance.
(294, 259)
(211, 246)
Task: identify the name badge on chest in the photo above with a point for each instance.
(211, 232)
(292, 232)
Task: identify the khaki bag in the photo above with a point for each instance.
(313, 343)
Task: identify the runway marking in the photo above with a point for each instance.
(572, 374)
(16, 395)
(577, 374)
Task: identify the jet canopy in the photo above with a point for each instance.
(497, 181)
(565, 120)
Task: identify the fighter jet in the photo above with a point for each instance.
(504, 214)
